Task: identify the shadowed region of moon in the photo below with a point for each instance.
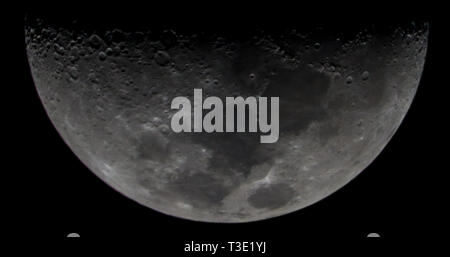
(343, 94)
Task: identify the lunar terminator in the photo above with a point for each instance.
(342, 97)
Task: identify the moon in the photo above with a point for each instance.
(343, 94)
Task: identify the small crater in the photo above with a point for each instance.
(162, 58)
(317, 46)
(109, 51)
(365, 75)
(95, 41)
(73, 72)
(102, 56)
(349, 80)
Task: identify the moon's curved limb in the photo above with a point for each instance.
(341, 100)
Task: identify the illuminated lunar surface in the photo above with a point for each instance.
(342, 97)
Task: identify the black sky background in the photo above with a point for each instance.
(400, 195)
